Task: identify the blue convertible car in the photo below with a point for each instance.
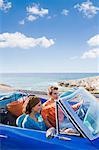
(84, 123)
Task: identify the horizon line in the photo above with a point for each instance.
(44, 72)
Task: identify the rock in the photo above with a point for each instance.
(90, 83)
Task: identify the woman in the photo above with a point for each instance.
(32, 118)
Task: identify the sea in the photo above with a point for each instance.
(39, 81)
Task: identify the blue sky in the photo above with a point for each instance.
(49, 36)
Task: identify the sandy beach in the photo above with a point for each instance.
(8, 88)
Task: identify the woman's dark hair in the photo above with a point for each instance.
(31, 102)
(51, 89)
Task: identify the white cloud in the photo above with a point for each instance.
(19, 40)
(87, 9)
(1, 3)
(93, 53)
(65, 12)
(32, 18)
(22, 22)
(94, 41)
(5, 6)
(35, 10)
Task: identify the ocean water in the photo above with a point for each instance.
(39, 81)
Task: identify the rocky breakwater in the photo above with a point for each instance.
(91, 84)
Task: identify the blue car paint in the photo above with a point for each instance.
(18, 138)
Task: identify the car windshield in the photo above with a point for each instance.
(84, 108)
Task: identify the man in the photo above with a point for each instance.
(48, 109)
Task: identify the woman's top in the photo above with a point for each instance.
(20, 120)
(30, 123)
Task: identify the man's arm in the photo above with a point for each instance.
(76, 106)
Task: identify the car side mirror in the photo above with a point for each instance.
(50, 133)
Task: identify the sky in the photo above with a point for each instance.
(49, 36)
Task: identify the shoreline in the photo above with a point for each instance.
(90, 83)
(8, 88)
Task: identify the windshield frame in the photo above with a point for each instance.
(75, 120)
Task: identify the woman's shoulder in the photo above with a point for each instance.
(22, 116)
(27, 122)
(20, 119)
(27, 118)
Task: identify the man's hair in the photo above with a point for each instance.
(51, 89)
